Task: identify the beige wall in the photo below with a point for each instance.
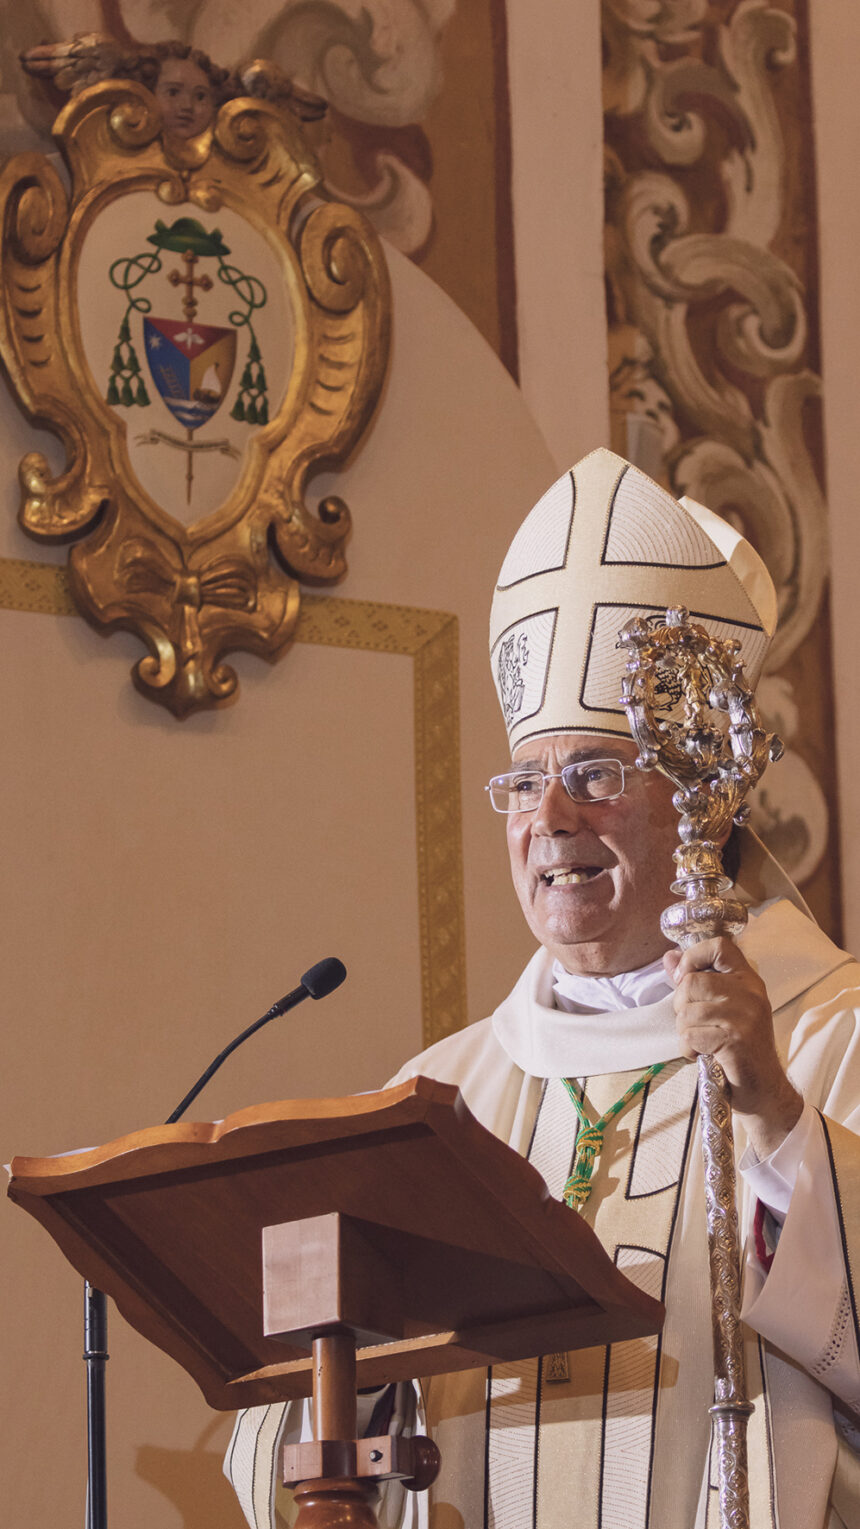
(165, 882)
(554, 64)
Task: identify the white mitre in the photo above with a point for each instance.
(605, 544)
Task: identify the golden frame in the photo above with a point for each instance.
(230, 579)
(429, 638)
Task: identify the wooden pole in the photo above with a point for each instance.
(339, 1502)
(334, 1386)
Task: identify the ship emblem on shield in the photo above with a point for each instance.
(191, 365)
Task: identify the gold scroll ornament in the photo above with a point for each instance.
(228, 580)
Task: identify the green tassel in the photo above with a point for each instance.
(589, 1144)
(112, 394)
(589, 1141)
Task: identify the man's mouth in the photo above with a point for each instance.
(570, 876)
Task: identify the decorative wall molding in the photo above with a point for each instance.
(429, 638)
(710, 257)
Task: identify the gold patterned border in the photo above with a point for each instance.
(429, 638)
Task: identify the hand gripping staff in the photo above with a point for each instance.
(714, 767)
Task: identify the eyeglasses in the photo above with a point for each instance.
(591, 780)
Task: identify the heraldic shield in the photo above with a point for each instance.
(204, 331)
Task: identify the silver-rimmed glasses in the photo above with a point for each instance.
(588, 780)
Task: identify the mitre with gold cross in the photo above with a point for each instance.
(604, 545)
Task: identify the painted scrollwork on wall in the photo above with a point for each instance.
(405, 83)
(374, 63)
(204, 332)
(710, 254)
(377, 63)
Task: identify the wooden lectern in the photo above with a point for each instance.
(315, 1245)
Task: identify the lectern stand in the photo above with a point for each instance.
(348, 1241)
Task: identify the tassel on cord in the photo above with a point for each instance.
(589, 1140)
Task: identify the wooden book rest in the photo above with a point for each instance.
(314, 1245)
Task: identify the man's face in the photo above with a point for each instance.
(614, 858)
(185, 96)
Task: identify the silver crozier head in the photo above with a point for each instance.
(713, 748)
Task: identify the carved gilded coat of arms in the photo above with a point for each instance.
(204, 331)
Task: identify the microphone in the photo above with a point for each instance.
(318, 982)
(321, 980)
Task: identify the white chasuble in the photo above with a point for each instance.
(610, 1394)
(626, 1439)
(537, 1465)
(623, 1441)
(574, 1442)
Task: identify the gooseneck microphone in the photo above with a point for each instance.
(316, 983)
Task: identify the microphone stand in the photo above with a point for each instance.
(95, 1359)
(321, 979)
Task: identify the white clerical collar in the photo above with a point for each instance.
(551, 1042)
(603, 995)
(786, 948)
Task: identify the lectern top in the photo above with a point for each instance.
(168, 1221)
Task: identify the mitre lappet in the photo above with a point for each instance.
(606, 544)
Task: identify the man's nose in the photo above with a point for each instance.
(558, 812)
